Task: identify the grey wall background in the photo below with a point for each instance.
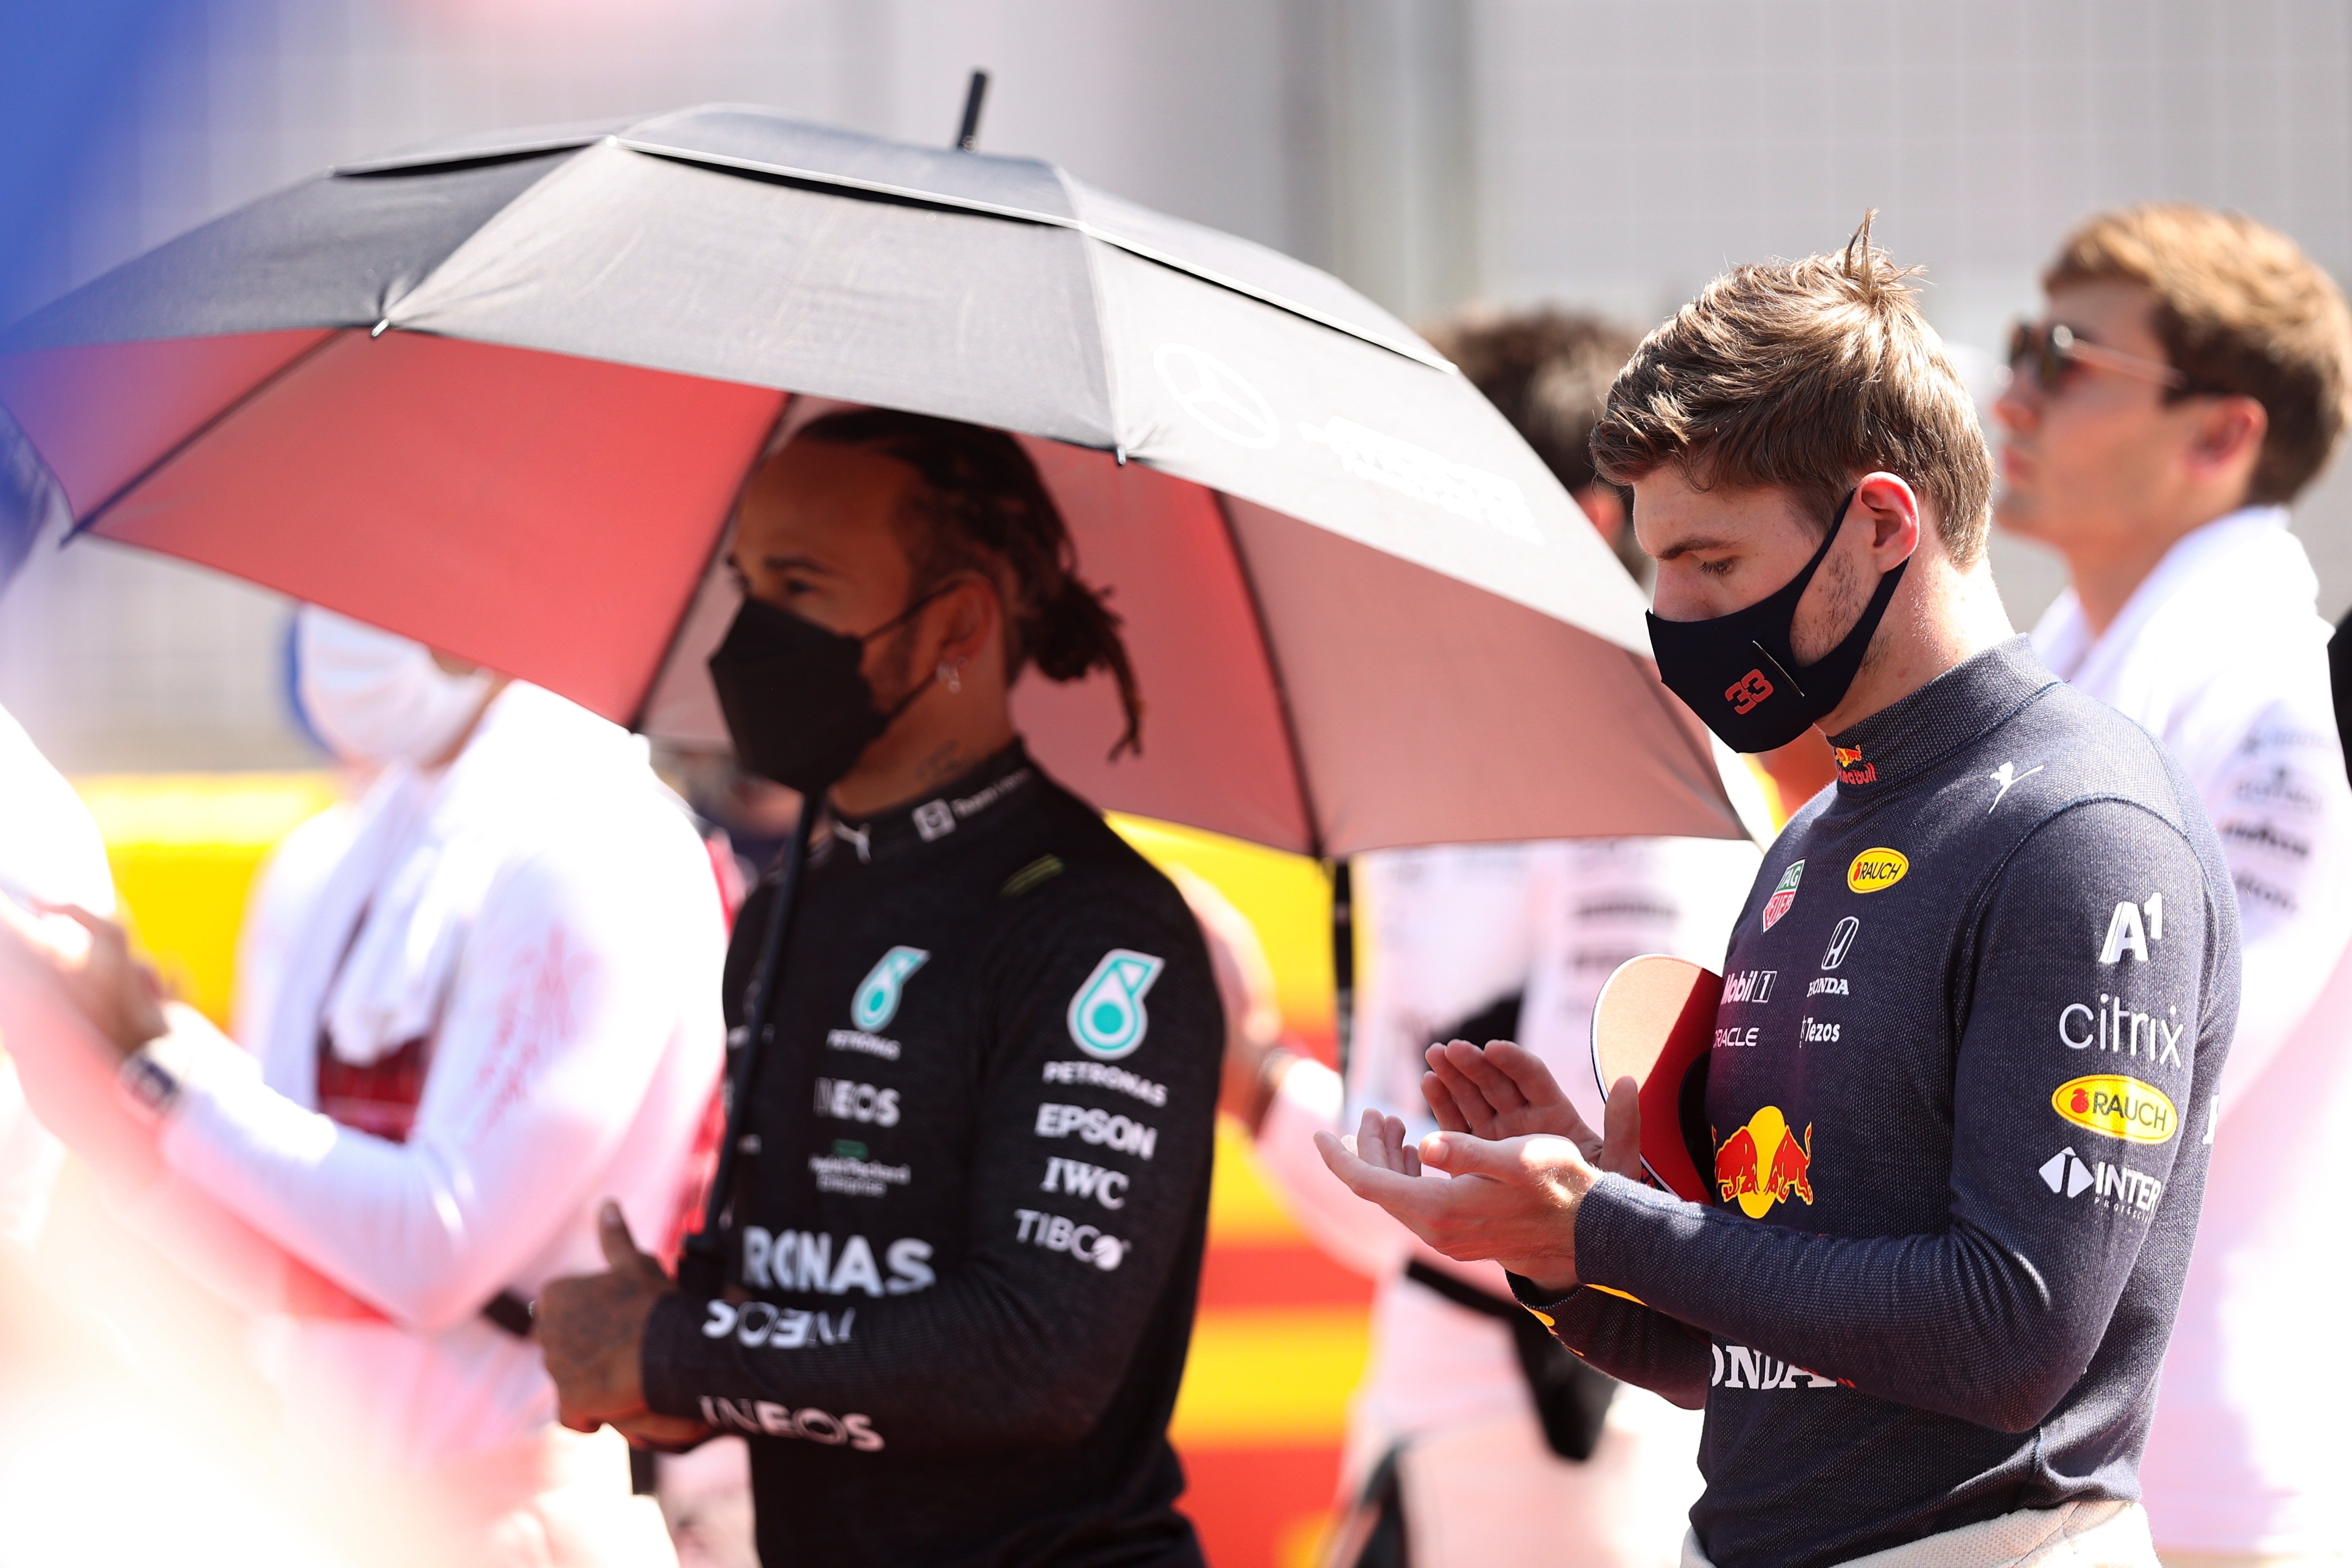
(1433, 152)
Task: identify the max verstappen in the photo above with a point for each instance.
(965, 1235)
(1960, 1091)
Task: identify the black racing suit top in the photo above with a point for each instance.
(1960, 1101)
(970, 1237)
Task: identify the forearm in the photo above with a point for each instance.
(1626, 1339)
(1358, 1234)
(422, 1232)
(1948, 1322)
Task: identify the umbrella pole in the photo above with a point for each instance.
(1343, 966)
(701, 1268)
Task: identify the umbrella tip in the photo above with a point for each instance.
(974, 95)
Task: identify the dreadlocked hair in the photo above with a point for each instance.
(982, 508)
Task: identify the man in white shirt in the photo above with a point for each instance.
(1496, 940)
(498, 1013)
(2190, 376)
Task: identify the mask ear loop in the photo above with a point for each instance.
(1795, 587)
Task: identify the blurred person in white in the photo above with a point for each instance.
(498, 1010)
(2189, 377)
(49, 850)
(1474, 1438)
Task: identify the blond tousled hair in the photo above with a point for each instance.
(1805, 375)
(2241, 312)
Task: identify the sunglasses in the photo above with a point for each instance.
(2047, 351)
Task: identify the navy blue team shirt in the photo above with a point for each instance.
(1958, 1119)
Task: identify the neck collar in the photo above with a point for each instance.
(937, 818)
(1912, 734)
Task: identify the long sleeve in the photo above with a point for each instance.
(1993, 1318)
(1626, 1339)
(568, 992)
(2282, 809)
(1081, 1199)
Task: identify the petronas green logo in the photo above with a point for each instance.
(877, 1002)
(1106, 1016)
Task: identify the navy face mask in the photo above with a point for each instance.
(1739, 673)
(797, 703)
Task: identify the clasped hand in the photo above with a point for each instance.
(591, 1330)
(1521, 1157)
(89, 959)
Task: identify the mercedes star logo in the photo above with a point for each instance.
(1214, 392)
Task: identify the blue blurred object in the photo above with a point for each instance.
(66, 67)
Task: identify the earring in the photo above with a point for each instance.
(954, 676)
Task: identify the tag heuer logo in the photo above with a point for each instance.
(1783, 895)
(876, 1001)
(1106, 1016)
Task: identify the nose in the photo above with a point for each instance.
(2018, 407)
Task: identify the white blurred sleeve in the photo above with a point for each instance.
(2282, 807)
(570, 990)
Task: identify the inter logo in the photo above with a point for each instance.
(1106, 1016)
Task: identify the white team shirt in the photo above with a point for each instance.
(550, 918)
(50, 850)
(2220, 653)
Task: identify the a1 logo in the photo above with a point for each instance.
(876, 1001)
(1106, 1016)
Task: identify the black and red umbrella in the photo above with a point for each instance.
(498, 395)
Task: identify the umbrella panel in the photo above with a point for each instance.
(543, 516)
(103, 414)
(1428, 710)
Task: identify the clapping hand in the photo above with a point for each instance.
(1522, 1157)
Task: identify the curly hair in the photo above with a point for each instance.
(982, 508)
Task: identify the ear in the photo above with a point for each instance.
(972, 620)
(1892, 509)
(2227, 437)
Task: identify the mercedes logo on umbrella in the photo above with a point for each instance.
(1214, 392)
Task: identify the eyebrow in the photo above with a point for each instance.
(808, 563)
(1699, 542)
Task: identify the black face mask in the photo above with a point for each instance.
(797, 704)
(1739, 674)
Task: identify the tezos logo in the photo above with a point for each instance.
(1106, 1016)
(877, 1002)
(2119, 1107)
(1784, 894)
(1875, 871)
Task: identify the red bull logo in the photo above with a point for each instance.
(1852, 768)
(1765, 1163)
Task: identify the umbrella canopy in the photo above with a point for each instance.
(499, 394)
